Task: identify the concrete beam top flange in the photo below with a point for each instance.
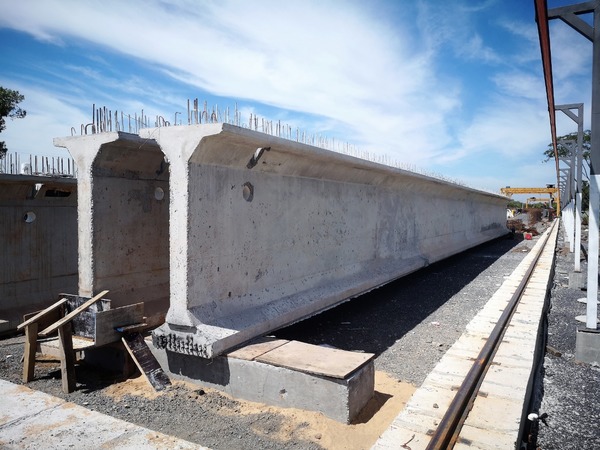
(84, 149)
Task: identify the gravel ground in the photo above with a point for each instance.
(569, 389)
(408, 324)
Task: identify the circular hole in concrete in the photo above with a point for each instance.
(29, 217)
(248, 191)
(159, 193)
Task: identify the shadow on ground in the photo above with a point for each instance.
(374, 321)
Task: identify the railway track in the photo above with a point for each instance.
(477, 395)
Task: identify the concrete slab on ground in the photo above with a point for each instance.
(33, 419)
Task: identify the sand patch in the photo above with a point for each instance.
(138, 386)
(390, 397)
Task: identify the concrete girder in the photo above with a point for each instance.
(265, 231)
(253, 231)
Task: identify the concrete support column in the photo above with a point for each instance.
(593, 246)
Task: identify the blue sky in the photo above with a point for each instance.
(453, 88)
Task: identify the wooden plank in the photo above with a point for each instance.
(315, 359)
(67, 358)
(42, 313)
(31, 330)
(107, 321)
(47, 319)
(253, 350)
(50, 346)
(72, 314)
(144, 359)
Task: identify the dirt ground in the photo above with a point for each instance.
(408, 324)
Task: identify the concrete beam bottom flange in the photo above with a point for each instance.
(587, 345)
(240, 375)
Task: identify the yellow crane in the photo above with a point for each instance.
(549, 189)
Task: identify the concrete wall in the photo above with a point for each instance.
(254, 247)
(123, 213)
(39, 257)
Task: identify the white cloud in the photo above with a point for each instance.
(47, 117)
(520, 84)
(311, 57)
(508, 127)
(571, 52)
(344, 67)
(451, 24)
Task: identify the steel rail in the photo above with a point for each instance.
(449, 427)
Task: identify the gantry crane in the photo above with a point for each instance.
(549, 189)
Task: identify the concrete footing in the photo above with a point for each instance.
(587, 345)
(577, 280)
(257, 373)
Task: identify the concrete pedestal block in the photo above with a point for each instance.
(587, 345)
(248, 379)
(577, 280)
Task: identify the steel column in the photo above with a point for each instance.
(568, 14)
(578, 119)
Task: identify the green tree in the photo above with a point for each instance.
(563, 151)
(9, 107)
(515, 204)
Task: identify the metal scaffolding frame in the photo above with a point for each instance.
(577, 117)
(570, 15)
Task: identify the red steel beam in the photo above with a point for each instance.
(541, 17)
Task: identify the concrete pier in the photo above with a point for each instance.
(254, 231)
